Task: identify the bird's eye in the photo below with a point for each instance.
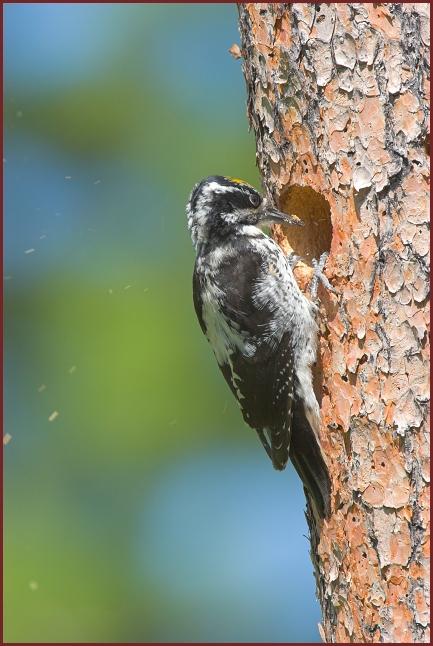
(255, 199)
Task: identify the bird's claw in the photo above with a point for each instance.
(320, 276)
(292, 259)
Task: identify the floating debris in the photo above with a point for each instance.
(146, 289)
(127, 287)
(110, 291)
(30, 250)
(235, 51)
(43, 236)
(53, 416)
(98, 181)
(68, 176)
(33, 585)
(6, 439)
(41, 388)
(72, 369)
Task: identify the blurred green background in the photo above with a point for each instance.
(144, 510)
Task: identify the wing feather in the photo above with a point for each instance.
(259, 367)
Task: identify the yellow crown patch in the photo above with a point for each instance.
(237, 180)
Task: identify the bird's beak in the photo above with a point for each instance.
(270, 215)
(277, 217)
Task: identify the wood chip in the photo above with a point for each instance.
(235, 51)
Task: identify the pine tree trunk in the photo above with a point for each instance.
(338, 100)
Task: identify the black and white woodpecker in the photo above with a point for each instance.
(261, 327)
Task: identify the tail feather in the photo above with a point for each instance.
(307, 458)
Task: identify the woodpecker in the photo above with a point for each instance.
(260, 325)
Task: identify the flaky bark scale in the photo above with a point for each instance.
(338, 100)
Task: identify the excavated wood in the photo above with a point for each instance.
(338, 98)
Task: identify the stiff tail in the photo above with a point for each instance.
(308, 461)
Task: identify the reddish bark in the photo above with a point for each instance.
(338, 100)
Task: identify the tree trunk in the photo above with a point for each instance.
(338, 100)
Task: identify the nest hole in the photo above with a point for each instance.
(311, 240)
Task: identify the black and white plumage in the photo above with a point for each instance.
(260, 325)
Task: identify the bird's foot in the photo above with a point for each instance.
(292, 259)
(320, 276)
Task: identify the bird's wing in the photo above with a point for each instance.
(259, 367)
(264, 390)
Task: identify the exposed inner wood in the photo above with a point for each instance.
(315, 237)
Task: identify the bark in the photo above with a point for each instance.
(338, 100)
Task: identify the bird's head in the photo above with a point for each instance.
(220, 205)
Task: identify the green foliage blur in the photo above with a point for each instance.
(138, 507)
